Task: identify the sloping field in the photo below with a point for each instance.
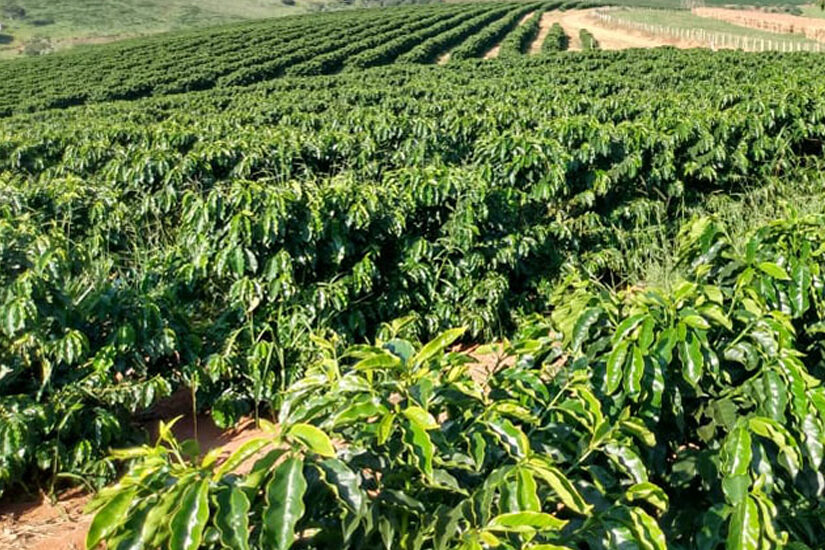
(306, 224)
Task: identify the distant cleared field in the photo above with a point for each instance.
(680, 19)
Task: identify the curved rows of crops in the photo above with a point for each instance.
(247, 53)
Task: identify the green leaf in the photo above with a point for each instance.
(437, 345)
(110, 517)
(646, 334)
(744, 529)
(190, 518)
(155, 530)
(314, 438)
(344, 483)
(637, 429)
(581, 329)
(627, 460)
(520, 522)
(646, 530)
(696, 321)
(560, 485)
(421, 417)
(385, 427)
(650, 493)
(241, 455)
(634, 371)
(359, 411)
(382, 360)
(526, 491)
(615, 365)
(284, 505)
(626, 327)
(801, 288)
(717, 315)
(417, 438)
(774, 270)
(515, 440)
(232, 518)
(690, 352)
(789, 455)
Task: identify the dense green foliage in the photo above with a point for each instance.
(237, 232)
(690, 417)
(202, 238)
(232, 55)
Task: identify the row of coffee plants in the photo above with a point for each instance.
(199, 240)
(478, 44)
(556, 40)
(588, 41)
(651, 418)
(243, 54)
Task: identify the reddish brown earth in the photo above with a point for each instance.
(37, 523)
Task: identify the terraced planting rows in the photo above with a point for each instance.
(315, 251)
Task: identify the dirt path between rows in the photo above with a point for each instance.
(608, 39)
(493, 53)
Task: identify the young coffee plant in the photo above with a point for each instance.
(397, 446)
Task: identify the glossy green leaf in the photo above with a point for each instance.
(560, 484)
(313, 438)
(774, 270)
(646, 530)
(690, 353)
(437, 345)
(581, 329)
(110, 517)
(421, 417)
(189, 520)
(650, 493)
(418, 439)
(284, 506)
(744, 532)
(526, 489)
(232, 518)
(615, 367)
(525, 521)
(634, 371)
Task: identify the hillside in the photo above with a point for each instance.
(478, 281)
(54, 25)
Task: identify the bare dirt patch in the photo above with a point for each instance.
(37, 523)
(610, 38)
(493, 53)
(782, 23)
